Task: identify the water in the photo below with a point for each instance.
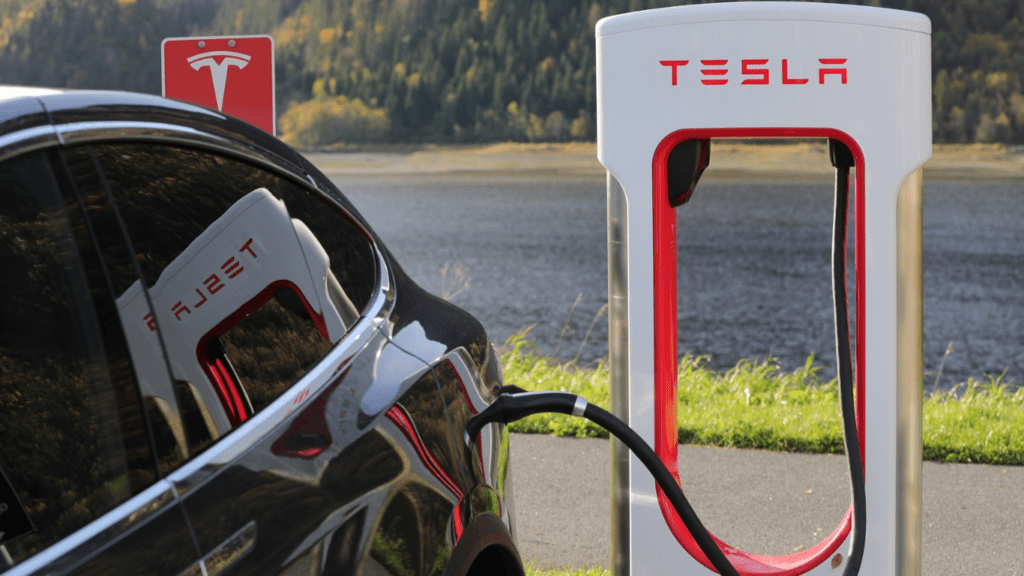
(753, 258)
(974, 280)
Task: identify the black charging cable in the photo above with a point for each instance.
(511, 407)
(843, 160)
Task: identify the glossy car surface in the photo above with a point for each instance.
(210, 365)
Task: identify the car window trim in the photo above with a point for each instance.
(90, 540)
(96, 132)
(27, 140)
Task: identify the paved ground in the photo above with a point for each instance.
(769, 502)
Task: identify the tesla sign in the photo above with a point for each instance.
(233, 74)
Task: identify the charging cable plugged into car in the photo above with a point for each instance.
(511, 407)
(686, 164)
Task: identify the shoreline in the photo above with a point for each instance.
(798, 161)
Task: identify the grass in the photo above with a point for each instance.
(975, 422)
(758, 405)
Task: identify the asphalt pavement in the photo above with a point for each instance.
(762, 502)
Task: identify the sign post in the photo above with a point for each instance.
(231, 74)
(674, 77)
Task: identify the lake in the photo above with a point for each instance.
(753, 260)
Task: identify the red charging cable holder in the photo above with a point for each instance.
(666, 347)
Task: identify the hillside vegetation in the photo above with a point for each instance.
(457, 70)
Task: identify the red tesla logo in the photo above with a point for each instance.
(756, 71)
(234, 75)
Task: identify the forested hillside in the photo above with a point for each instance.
(456, 70)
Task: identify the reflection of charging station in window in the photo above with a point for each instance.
(261, 348)
(274, 345)
(244, 301)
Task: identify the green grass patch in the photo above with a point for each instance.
(758, 405)
(975, 422)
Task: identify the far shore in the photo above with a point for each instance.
(796, 161)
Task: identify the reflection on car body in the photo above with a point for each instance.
(248, 256)
(210, 365)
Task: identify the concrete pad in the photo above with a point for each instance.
(762, 502)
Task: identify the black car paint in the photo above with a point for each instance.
(266, 510)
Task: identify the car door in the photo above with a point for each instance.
(324, 446)
(80, 490)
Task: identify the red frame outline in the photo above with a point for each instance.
(666, 436)
(401, 419)
(229, 396)
(465, 395)
(312, 420)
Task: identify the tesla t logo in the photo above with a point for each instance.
(219, 70)
(757, 71)
(231, 74)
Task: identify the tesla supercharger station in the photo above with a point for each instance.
(767, 70)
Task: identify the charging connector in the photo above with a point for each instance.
(511, 407)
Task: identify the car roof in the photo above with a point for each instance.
(9, 92)
(79, 116)
(34, 118)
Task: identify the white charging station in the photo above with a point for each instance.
(775, 70)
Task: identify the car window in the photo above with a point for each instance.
(252, 278)
(74, 442)
(174, 418)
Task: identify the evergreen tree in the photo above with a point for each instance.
(463, 70)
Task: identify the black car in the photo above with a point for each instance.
(209, 364)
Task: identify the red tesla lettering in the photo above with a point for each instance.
(675, 64)
(201, 302)
(248, 247)
(213, 284)
(785, 75)
(150, 321)
(232, 267)
(714, 72)
(754, 70)
(178, 309)
(748, 71)
(831, 62)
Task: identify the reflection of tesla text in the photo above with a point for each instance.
(232, 267)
